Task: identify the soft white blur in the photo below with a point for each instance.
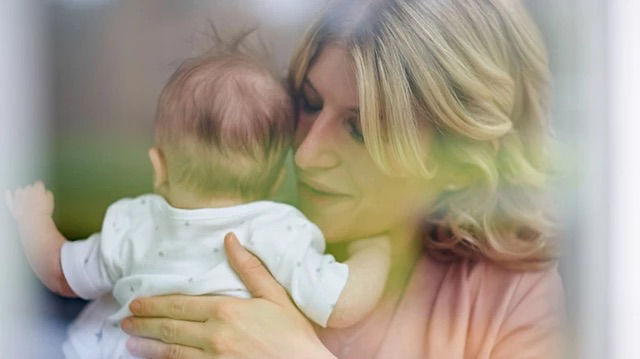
(24, 115)
(624, 171)
(574, 32)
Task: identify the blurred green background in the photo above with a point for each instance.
(89, 173)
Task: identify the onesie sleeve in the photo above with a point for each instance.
(93, 265)
(534, 327)
(83, 268)
(293, 251)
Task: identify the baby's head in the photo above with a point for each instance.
(223, 128)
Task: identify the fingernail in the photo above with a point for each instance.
(134, 306)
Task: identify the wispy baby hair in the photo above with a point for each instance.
(224, 124)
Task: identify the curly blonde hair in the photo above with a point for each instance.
(456, 90)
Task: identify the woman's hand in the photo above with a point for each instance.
(266, 326)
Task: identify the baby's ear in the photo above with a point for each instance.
(160, 177)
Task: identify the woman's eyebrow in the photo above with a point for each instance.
(308, 83)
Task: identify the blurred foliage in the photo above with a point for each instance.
(91, 172)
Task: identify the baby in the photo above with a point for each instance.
(223, 128)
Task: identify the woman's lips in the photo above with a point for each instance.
(319, 190)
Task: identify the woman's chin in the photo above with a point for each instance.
(344, 218)
(332, 224)
(340, 227)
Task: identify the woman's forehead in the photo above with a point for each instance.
(332, 75)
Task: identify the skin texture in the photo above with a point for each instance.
(339, 186)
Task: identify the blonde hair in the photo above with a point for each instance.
(456, 90)
(224, 124)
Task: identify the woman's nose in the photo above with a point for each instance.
(317, 147)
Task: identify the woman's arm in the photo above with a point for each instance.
(266, 326)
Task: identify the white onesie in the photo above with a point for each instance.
(146, 248)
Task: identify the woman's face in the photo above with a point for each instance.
(340, 187)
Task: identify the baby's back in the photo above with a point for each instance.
(149, 248)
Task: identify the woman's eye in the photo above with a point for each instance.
(354, 129)
(308, 106)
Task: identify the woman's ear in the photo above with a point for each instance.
(160, 177)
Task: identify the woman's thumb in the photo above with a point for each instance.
(253, 273)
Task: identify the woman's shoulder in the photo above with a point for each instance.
(484, 278)
(494, 308)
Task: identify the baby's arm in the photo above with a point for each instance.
(369, 263)
(32, 208)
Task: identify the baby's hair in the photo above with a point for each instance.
(224, 124)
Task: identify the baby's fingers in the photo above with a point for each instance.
(30, 200)
(35, 189)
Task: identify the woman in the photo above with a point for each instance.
(424, 121)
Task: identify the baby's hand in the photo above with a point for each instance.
(30, 201)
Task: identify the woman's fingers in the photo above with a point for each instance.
(170, 331)
(182, 307)
(148, 348)
(253, 273)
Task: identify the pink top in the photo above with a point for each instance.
(461, 310)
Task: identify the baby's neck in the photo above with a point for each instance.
(186, 200)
